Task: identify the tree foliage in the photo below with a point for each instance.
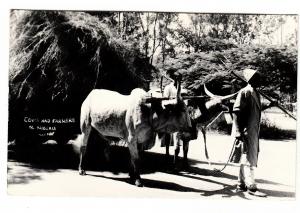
(277, 65)
(57, 57)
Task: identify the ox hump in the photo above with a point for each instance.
(101, 100)
(138, 94)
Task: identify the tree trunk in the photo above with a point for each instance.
(154, 39)
(119, 23)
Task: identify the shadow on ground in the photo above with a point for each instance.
(53, 157)
(226, 191)
(22, 176)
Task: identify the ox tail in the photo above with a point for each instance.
(85, 118)
(203, 130)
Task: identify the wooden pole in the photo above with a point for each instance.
(153, 99)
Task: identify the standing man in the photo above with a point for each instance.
(246, 126)
(168, 139)
(169, 91)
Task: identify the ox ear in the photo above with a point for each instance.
(225, 107)
(140, 114)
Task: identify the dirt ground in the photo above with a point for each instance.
(51, 170)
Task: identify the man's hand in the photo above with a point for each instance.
(240, 136)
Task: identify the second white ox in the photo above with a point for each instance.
(131, 118)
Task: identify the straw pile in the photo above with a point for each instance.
(58, 57)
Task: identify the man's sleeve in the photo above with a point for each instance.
(240, 102)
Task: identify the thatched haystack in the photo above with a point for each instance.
(58, 57)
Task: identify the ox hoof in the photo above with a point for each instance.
(82, 172)
(138, 183)
(175, 170)
(185, 165)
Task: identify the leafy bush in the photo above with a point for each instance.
(269, 130)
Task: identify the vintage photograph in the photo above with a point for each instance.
(135, 104)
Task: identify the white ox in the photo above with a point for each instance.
(130, 118)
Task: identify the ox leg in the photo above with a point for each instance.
(167, 141)
(176, 153)
(107, 151)
(135, 161)
(106, 144)
(82, 160)
(185, 153)
(177, 150)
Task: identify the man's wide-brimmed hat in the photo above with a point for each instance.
(249, 73)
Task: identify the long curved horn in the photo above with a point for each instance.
(210, 94)
(227, 97)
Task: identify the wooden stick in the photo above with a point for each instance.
(214, 119)
(204, 97)
(153, 99)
